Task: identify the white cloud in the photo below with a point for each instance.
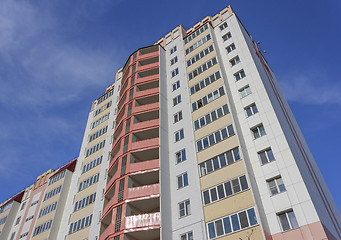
(311, 90)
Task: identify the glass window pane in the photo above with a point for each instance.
(196, 125)
(199, 146)
(270, 155)
(248, 112)
(226, 109)
(217, 136)
(235, 222)
(243, 219)
(292, 219)
(211, 139)
(273, 187)
(214, 116)
(211, 230)
(228, 188)
(230, 130)
(206, 197)
(216, 163)
(202, 122)
(208, 118)
(221, 192)
(252, 216)
(235, 185)
(224, 133)
(236, 154)
(205, 142)
(214, 195)
(209, 166)
(227, 225)
(243, 182)
(222, 160)
(263, 157)
(203, 170)
(185, 179)
(229, 157)
(219, 227)
(284, 222)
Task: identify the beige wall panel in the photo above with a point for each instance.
(209, 107)
(202, 76)
(86, 192)
(213, 126)
(228, 206)
(210, 88)
(79, 235)
(84, 212)
(252, 233)
(202, 60)
(221, 147)
(222, 175)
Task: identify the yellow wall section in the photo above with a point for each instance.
(218, 148)
(228, 206)
(222, 175)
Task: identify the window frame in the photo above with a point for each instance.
(186, 208)
(184, 180)
(277, 185)
(288, 219)
(260, 132)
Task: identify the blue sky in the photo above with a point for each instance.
(56, 57)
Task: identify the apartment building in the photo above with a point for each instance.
(194, 140)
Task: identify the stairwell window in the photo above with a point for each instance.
(245, 91)
(177, 117)
(239, 75)
(251, 110)
(258, 131)
(173, 50)
(175, 72)
(223, 26)
(179, 135)
(180, 156)
(230, 48)
(287, 220)
(187, 236)
(235, 60)
(227, 36)
(174, 60)
(184, 208)
(266, 156)
(182, 180)
(176, 85)
(176, 100)
(276, 185)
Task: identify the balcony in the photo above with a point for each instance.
(142, 191)
(143, 179)
(142, 221)
(150, 234)
(147, 86)
(148, 73)
(147, 92)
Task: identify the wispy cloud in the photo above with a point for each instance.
(312, 89)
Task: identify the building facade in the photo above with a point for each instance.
(194, 140)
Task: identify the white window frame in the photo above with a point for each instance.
(245, 90)
(186, 208)
(177, 117)
(252, 107)
(258, 129)
(181, 178)
(276, 180)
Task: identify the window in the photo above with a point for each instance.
(88, 182)
(208, 98)
(250, 110)
(180, 156)
(195, 34)
(177, 117)
(219, 161)
(29, 218)
(184, 208)
(230, 48)
(234, 60)
(204, 83)
(98, 133)
(104, 107)
(204, 120)
(95, 148)
(85, 202)
(225, 190)
(23, 206)
(92, 164)
(43, 227)
(239, 75)
(12, 236)
(176, 100)
(175, 72)
(276, 185)
(47, 209)
(80, 224)
(173, 50)
(187, 236)
(176, 85)
(258, 131)
(174, 60)
(52, 192)
(223, 26)
(17, 221)
(245, 91)
(287, 220)
(54, 179)
(179, 135)
(99, 121)
(182, 180)
(227, 36)
(214, 138)
(232, 223)
(266, 156)
(200, 55)
(202, 68)
(198, 44)
(23, 235)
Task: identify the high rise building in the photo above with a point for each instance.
(194, 140)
